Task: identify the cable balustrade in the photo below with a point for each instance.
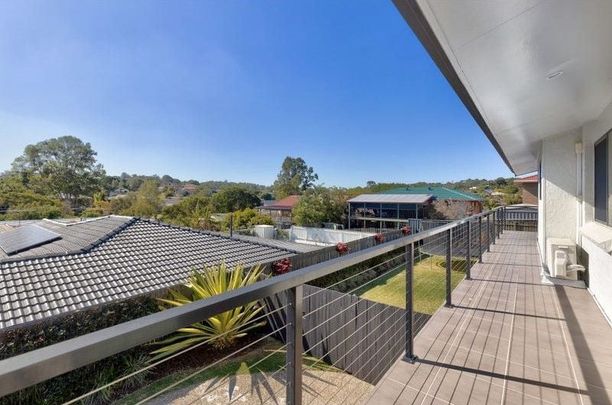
(356, 326)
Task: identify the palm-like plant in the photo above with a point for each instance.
(221, 330)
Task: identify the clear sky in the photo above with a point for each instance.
(224, 90)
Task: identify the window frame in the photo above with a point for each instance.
(605, 138)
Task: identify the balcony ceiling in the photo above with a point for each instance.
(503, 54)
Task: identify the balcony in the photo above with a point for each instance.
(508, 338)
(454, 314)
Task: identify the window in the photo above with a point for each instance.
(601, 180)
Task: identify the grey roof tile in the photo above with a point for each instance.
(132, 256)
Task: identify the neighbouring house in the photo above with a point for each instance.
(53, 268)
(447, 203)
(281, 210)
(118, 193)
(188, 189)
(386, 210)
(537, 78)
(529, 188)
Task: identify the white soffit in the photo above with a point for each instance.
(503, 51)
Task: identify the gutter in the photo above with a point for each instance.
(412, 13)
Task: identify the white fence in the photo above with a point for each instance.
(323, 236)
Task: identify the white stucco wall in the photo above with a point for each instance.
(564, 209)
(599, 261)
(558, 205)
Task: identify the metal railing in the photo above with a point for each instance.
(467, 238)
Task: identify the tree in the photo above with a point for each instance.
(247, 218)
(67, 164)
(193, 211)
(234, 198)
(20, 202)
(295, 177)
(147, 202)
(320, 205)
(500, 181)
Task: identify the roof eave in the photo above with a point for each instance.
(412, 13)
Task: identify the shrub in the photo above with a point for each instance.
(73, 384)
(221, 330)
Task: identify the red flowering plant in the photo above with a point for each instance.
(379, 238)
(342, 248)
(282, 266)
(406, 230)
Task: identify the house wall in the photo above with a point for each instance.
(455, 209)
(599, 261)
(558, 214)
(529, 193)
(566, 202)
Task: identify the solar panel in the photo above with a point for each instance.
(26, 237)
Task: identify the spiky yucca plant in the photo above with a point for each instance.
(223, 329)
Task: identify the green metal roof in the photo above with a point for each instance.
(440, 193)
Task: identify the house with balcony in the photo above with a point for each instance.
(469, 312)
(386, 210)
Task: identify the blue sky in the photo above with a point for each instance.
(215, 90)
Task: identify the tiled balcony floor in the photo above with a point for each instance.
(509, 340)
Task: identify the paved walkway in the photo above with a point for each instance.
(320, 388)
(509, 340)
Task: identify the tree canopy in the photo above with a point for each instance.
(147, 202)
(320, 205)
(295, 177)
(66, 164)
(234, 198)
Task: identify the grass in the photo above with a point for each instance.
(429, 284)
(266, 358)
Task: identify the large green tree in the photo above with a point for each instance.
(147, 202)
(20, 202)
(295, 177)
(193, 211)
(320, 205)
(66, 164)
(246, 218)
(234, 198)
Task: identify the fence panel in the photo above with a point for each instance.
(359, 336)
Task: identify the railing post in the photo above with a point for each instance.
(489, 232)
(410, 357)
(449, 256)
(494, 220)
(468, 255)
(504, 219)
(480, 239)
(294, 346)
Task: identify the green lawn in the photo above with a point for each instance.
(429, 284)
(268, 358)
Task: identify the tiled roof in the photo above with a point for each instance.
(286, 203)
(440, 193)
(528, 179)
(138, 257)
